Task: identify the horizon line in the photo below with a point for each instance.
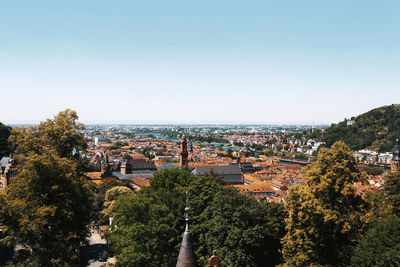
(182, 124)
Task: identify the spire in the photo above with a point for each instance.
(187, 213)
(186, 256)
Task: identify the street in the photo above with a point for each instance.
(92, 251)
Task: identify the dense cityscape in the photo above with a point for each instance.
(128, 179)
(205, 133)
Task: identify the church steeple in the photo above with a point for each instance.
(184, 152)
(395, 166)
(186, 256)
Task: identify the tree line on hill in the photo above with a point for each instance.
(376, 129)
(208, 139)
(48, 206)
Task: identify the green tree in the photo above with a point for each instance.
(148, 225)
(373, 170)
(5, 147)
(48, 205)
(380, 246)
(326, 217)
(106, 184)
(144, 235)
(62, 134)
(378, 204)
(110, 198)
(201, 193)
(6, 242)
(243, 231)
(302, 242)
(392, 190)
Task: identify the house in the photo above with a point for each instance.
(247, 167)
(138, 182)
(257, 189)
(167, 166)
(5, 171)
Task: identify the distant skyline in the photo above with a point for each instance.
(192, 62)
(186, 125)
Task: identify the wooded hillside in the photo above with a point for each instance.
(376, 129)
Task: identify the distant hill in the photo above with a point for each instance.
(377, 129)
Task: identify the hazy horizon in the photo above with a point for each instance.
(206, 123)
(188, 124)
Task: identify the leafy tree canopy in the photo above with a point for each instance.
(326, 216)
(243, 231)
(48, 205)
(374, 170)
(148, 225)
(380, 246)
(5, 147)
(62, 134)
(110, 198)
(108, 183)
(392, 190)
(46, 208)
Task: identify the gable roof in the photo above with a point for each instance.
(229, 173)
(168, 166)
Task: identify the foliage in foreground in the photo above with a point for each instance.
(148, 226)
(326, 217)
(244, 232)
(380, 246)
(392, 192)
(48, 205)
(5, 146)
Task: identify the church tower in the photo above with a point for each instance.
(395, 167)
(184, 153)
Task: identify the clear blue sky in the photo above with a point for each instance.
(208, 61)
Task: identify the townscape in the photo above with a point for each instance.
(205, 133)
(127, 165)
(266, 160)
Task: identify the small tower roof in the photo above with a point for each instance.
(186, 256)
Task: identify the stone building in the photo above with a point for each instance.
(230, 174)
(184, 153)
